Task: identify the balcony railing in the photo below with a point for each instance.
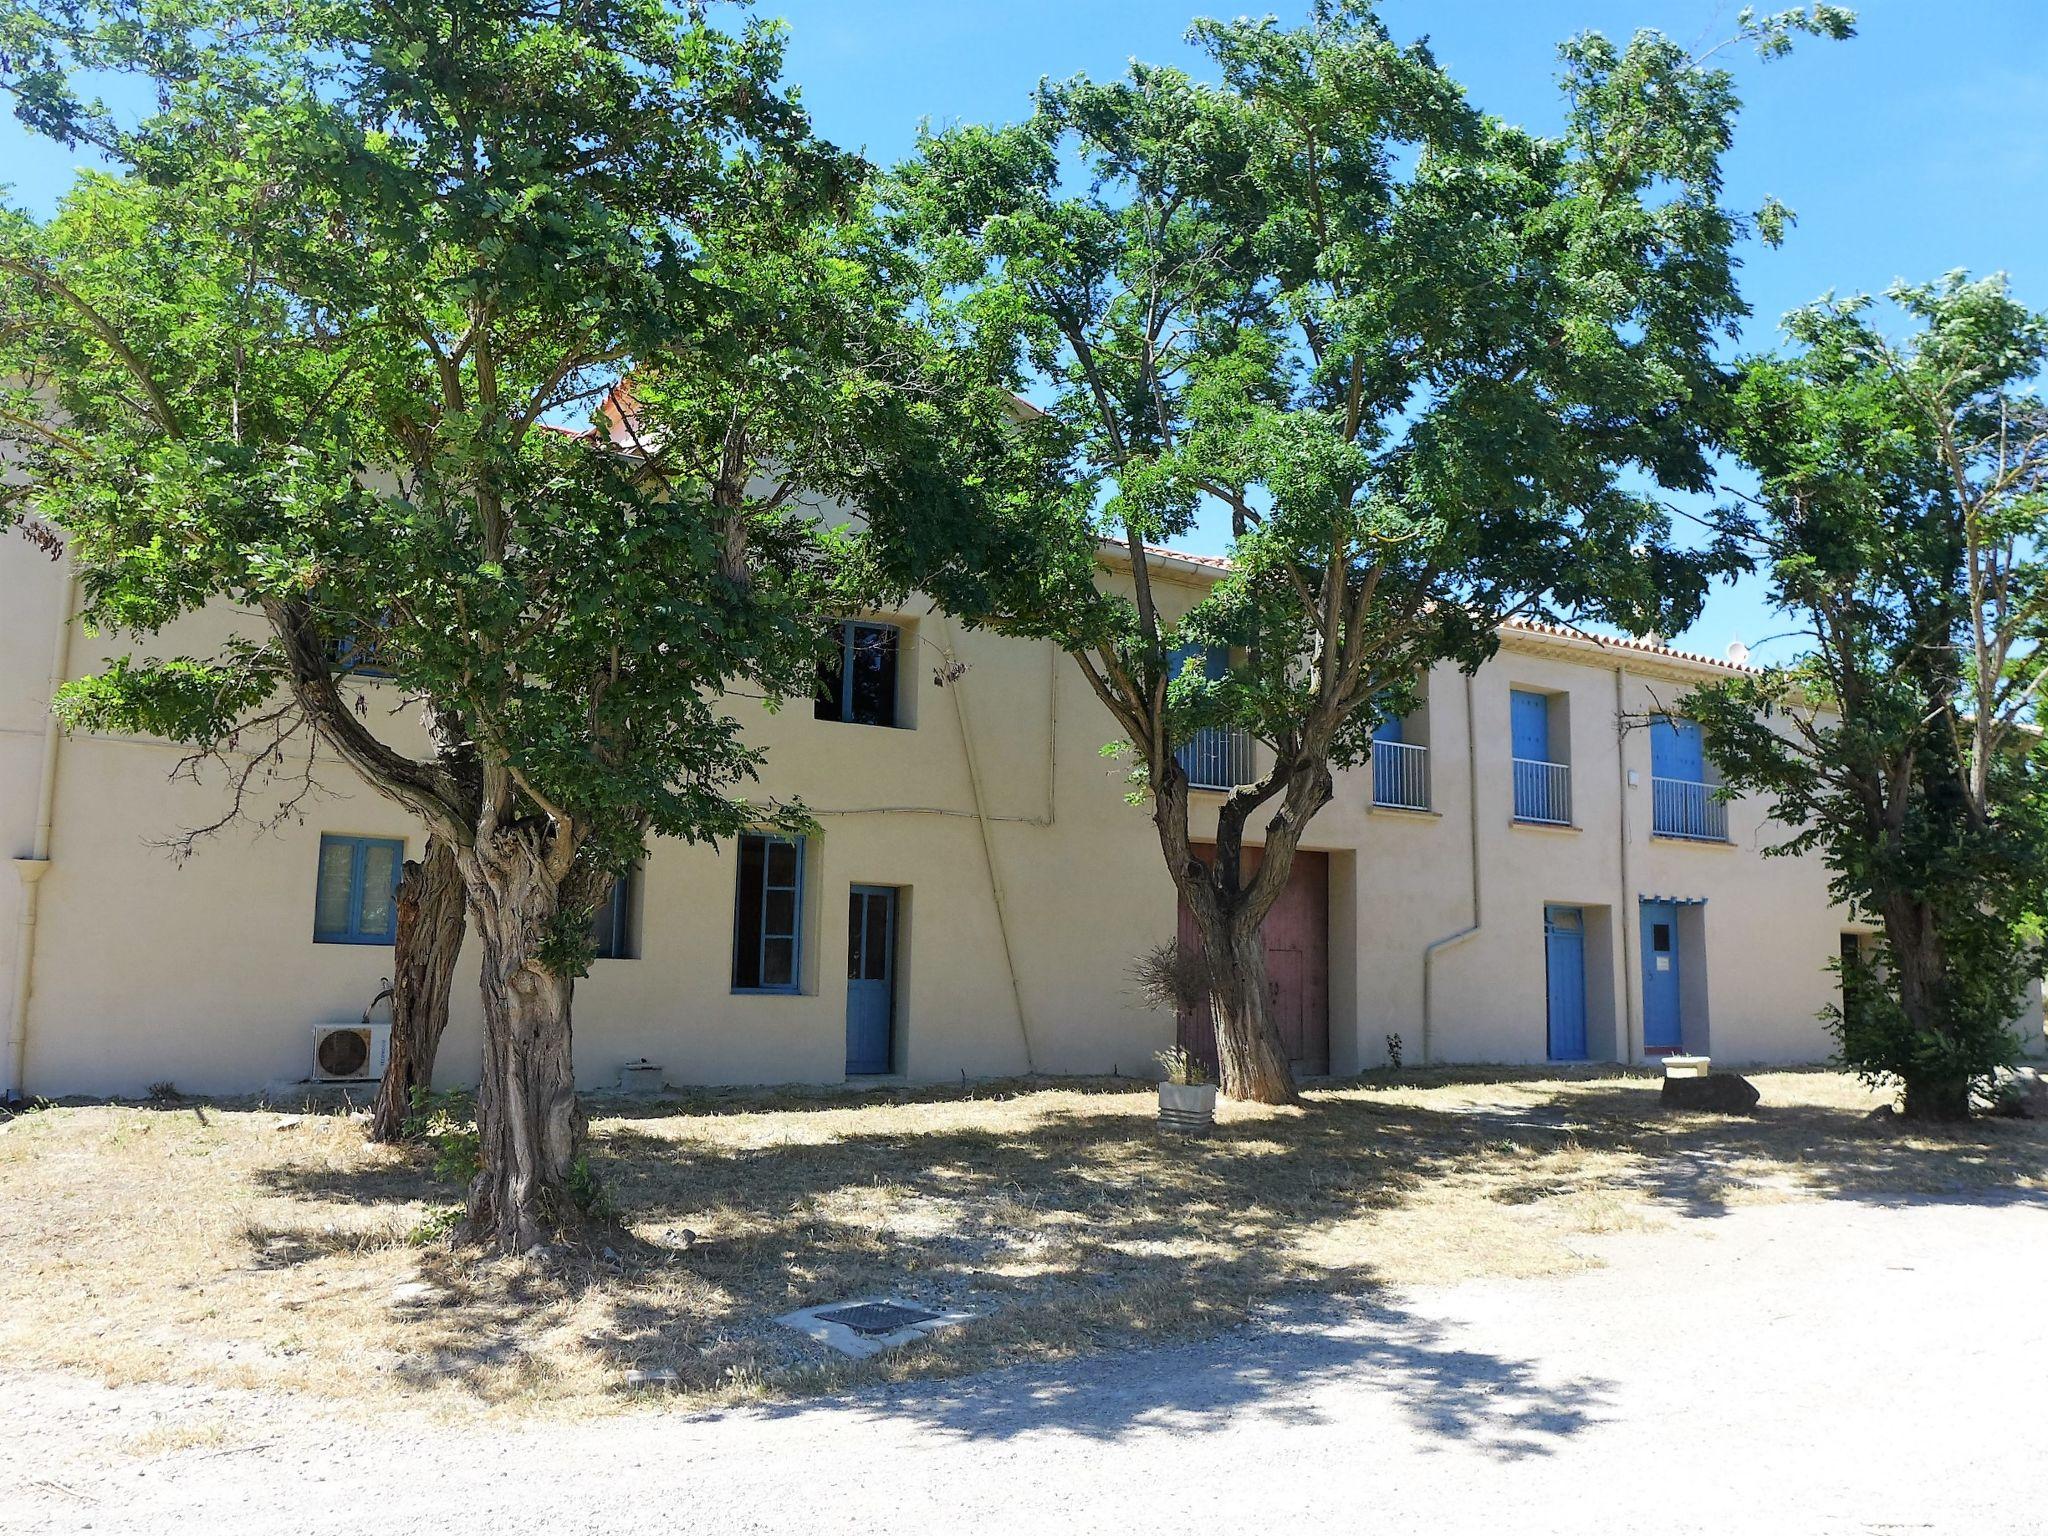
(1217, 758)
(1543, 792)
(1400, 775)
(1682, 808)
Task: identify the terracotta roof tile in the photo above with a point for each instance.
(1525, 626)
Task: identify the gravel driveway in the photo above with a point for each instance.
(1824, 1367)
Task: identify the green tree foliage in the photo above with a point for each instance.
(1901, 505)
(312, 349)
(1434, 366)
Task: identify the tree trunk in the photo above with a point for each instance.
(529, 1123)
(1912, 934)
(1250, 1057)
(430, 929)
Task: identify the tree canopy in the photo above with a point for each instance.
(1436, 369)
(324, 345)
(1900, 511)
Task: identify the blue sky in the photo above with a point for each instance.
(1919, 147)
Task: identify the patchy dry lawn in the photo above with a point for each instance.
(236, 1245)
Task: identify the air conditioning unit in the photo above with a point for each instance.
(350, 1053)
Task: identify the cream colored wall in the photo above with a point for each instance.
(1023, 905)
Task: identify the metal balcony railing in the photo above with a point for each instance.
(1400, 775)
(1683, 808)
(1217, 758)
(1543, 792)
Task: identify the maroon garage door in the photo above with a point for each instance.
(1297, 966)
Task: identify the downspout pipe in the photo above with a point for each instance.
(1453, 940)
(31, 867)
(1624, 913)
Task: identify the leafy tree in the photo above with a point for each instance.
(1424, 359)
(1902, 501)
(309, 351)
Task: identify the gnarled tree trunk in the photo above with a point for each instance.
(1230, 913)
(529, 1123)
(430, 929)
(1913, 936)
(1251, 1058)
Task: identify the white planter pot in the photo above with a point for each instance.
(1187, 1106)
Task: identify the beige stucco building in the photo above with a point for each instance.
(972, 903)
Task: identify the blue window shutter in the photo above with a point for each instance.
(1677, 750)
(1388, 729)
(1529, 723)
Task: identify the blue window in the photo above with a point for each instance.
(1677, 750)
(611, 930)
(355, 900)
(362, 655)
(858, 685)
(768, 914)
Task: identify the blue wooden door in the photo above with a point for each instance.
(1564, 959)
(1663, 1023)
(1677, 750)
(1529, 725)
(870, 979)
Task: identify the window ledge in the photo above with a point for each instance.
(1416, 812)
(1569, 829)
(1681, 840)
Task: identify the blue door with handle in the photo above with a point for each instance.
(870, 980)
(1564, 963)
(1663, 1019)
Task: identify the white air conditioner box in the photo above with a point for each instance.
(352, 1052)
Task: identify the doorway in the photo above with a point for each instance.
(870, 980)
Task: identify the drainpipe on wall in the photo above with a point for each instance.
(32, 867)
(1623, 914)
(1452, 940)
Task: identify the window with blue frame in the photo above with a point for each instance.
(611, 930)
(361, 654)
(858, 684)
(355, 900)
(768, 914)
(1683, 795)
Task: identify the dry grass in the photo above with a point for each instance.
(232, 1245)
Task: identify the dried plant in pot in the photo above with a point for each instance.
(1187, 1094)
(1170, 976)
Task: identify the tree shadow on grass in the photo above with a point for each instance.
(1076, 1227)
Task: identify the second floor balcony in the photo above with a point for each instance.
(1216, 757)
(1687, 808)
(1543, 792)
(1400, 775)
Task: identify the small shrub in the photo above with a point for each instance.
(1394, 1051)
(1183, 1068)
(435, 1226)
(1172, 976)
(445, 1121)
(163, 1093)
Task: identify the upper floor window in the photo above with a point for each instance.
(1216, 756)
(355, 900)
(611, 930)
(360, 653)
(768, 913)
(1400, 762)
(1682, 801)
(1542, 772)
(858, 685)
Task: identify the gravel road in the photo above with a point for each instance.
(1809, 1368)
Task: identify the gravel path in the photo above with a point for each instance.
(1812, 1368)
